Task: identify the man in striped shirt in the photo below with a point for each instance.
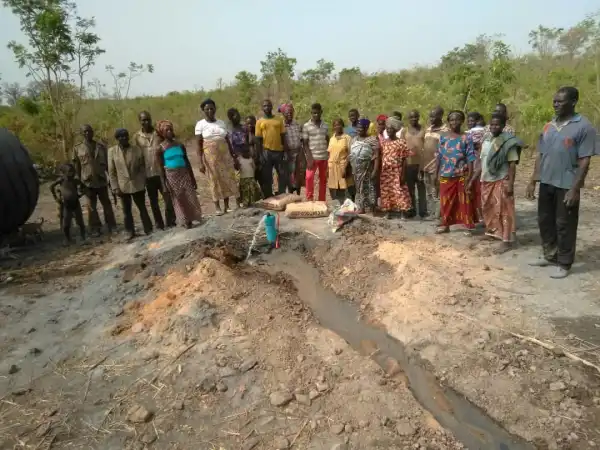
(315, 136)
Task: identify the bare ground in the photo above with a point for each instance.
(170, 342)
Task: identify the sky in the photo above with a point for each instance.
(194, 43)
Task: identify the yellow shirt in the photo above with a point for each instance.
(372, 131)
(270, 130)
(339, 152)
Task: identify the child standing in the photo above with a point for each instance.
(70, 190)
(249, 189)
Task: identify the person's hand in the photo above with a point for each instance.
(202, 168)
(421, 176)
(509, 188)
(571, 197)
(469, 188)
(236, 164)
(262, 157)
(530, 191)
(375, 175)
(348, 171)
(117, 191)
(310, 162)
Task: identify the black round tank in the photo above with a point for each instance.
(19, 183)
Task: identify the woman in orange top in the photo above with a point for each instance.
(340, 180)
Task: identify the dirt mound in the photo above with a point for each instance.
(438, 298)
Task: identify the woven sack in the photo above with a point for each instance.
(278, 202)
(306, 209)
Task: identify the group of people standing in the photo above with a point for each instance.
(153, 162)
(439, 171)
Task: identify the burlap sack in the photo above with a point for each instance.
(306, 209)
(278, 202)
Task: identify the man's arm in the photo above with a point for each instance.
(112, 172)
(76, 163)
(258, 140)
(307, 152)
(81, 188)
(585, 151)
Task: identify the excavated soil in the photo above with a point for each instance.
(174, 342)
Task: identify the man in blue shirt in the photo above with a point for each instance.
(565, 148)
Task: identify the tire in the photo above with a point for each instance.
(19, 183)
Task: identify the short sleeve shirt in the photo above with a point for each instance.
(211, 130)
(453, 155)
(561, 146)
(486, 149)
(316, 136)
(270, 130)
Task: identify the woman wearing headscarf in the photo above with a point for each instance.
(217, 158)
(475, 135)
(296, 159)
(381, 118)
(364, 158)
(454, 159)
(395, 197)
(177, 175)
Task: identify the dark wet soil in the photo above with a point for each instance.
(470, 424)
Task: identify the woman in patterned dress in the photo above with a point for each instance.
(455, 158)
(364, 158)
(395, 197)
(177, 175)
(217, 158)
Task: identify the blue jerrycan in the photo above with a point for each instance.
(271, 227)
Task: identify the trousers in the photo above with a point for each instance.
(322, 167)
(139, 198)
(93, 195)
(273, 160)
(558, 225)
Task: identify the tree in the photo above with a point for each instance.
(464, 69)
(574, 41)
(278, 71)
(544, 40)
(499, 76)
(34, 90)
(122, 80)
(319, 74)
(246, 83)
(60, 51)
(97, 88)
(278, 65)
(12, 92)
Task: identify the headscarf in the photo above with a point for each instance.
(393, 122)
(381, 117)
(162, 126)
(364, 122)
(286, 107)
